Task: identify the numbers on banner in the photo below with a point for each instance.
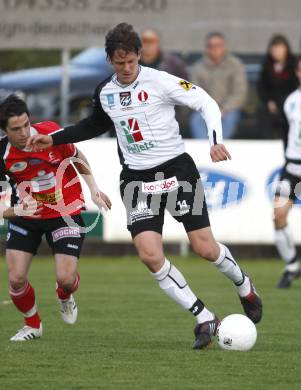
(42, 5)
(133, 5)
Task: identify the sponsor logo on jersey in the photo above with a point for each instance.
(110, 99)
(51, 198)
(131, 130)
(138, 148)
(43, 181)
(18, 167)
(292, 106)
(273, 184)
(160, 186)
(35, 161)
(142, 96)
(186, 85)
(65, 232)
(125, 98)
(222, 190)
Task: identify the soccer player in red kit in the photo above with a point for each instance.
(46, 199)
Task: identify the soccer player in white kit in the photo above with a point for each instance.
(289, 187)
(157, 174)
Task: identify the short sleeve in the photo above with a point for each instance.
(68, 150)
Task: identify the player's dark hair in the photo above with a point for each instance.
(122, 37)
(11, 106)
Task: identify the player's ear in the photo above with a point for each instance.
(139, 54)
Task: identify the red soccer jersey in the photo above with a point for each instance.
(48, 176)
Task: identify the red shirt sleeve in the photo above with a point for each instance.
(68, 150)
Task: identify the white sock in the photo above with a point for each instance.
(286, 248)
(173, 283)
(228, 266)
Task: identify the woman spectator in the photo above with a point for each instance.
(276, 81)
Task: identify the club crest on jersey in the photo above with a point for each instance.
(142, 96)
(18, 167)
(125, 99)
(52, 158)
(186, 85)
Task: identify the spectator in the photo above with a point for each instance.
(276, 81)
(223, 76)
(154, 57)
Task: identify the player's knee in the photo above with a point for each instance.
(206, 250)
(16, 281)
(151, 257)
(280, 218)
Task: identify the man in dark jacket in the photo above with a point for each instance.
(153, 56)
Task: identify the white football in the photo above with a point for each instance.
(236, 332)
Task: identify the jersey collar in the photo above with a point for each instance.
(115, 81)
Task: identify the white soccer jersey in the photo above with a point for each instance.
(292, 109)
(144, 116)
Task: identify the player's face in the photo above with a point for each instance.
(126, 66)
(18, 130)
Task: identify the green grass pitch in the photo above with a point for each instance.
(129, 336)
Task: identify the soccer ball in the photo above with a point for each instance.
(236, 333)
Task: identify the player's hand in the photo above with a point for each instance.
(101, 200)
(39, 142)
(29, 207)
(219, 153)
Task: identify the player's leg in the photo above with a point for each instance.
(68, 280)
(65, 236)
(284, 242)
(191, 210)
(285, 195)
(145, 219)
(21, 245)
(173, 283)
(204, 245)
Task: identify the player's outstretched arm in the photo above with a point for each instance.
(219, 152)
(101, 200)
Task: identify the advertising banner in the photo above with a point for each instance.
(183, 24)
(238, 192)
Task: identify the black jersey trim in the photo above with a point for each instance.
(293, 161)
(4, 176)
